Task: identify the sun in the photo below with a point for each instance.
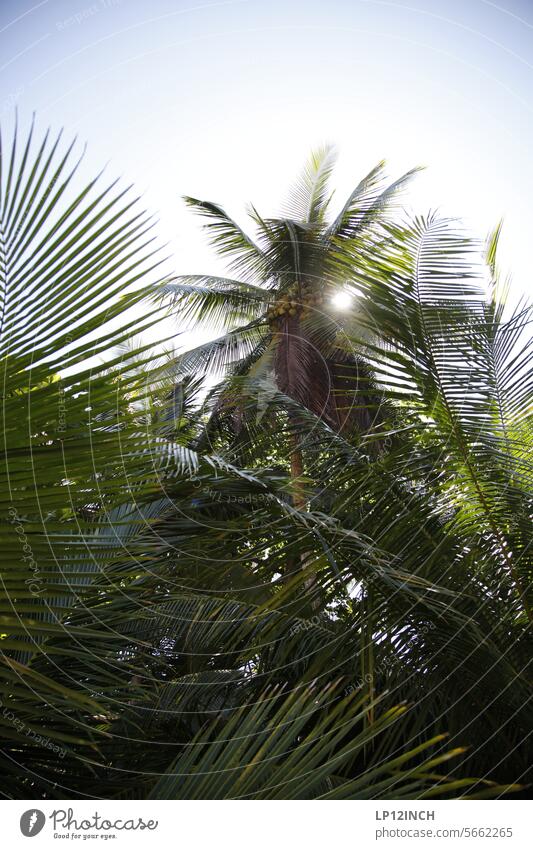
(342, 300)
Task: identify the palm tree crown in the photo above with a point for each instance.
(278, 312)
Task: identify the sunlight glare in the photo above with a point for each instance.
(342, 300)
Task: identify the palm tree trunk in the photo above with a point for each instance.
(299, 501)
(297, 471)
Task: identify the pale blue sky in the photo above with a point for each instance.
(224, 100)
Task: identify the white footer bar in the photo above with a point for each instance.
(262, 825)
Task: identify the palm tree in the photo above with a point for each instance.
(280, 313)
(446, 508)
(146, 646)
(71, 266)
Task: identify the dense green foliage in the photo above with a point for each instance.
(307, 581)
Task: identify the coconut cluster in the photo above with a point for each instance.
(294, 303)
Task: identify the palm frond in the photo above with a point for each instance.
(308, 200)
(246, 258)
(366, 202)
(218, 301)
